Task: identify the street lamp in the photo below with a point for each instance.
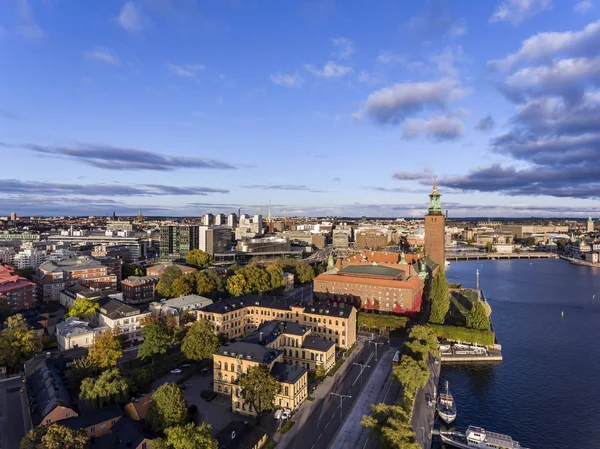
(342, 396)
(376, 343)
(423, 434)
(362, 367)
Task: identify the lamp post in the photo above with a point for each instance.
(342, 396)
(362, 367)
(376, 343)
(423, 434)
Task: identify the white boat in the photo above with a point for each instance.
(446, 406)
(478, 438)
(446, 263)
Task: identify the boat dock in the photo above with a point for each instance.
(470, 354)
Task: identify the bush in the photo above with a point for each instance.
(381, 322)
(463, 334)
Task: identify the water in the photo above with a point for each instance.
(545, 393)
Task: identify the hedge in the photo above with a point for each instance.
(463, 334)
(382, 322)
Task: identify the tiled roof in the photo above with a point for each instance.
(239, 435)
(249, 351)
(125, 434)
(411, 283)
(114, 309)
(287, 373)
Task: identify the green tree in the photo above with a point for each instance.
(106, 350)
(83, 308)
(109, 387)
(257, 279)
(259, 387)
(199, 259)
(391, 425)
(183, 286)
(17, 343)
(201, 341)
(141, 380)
(304, 273)
(54, 436)
(188, 436)
(157, 339)
(411, 374)
(236, 284)
(163, 288)
(440, 299)
(130, 269)
(5, 308)
(210, 284)
(488, 247)
(168, 408)
(423, 340)
(275, 273)
(81, 368)
(478, 317)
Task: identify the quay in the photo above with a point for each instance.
(491, 355)
(497, 256)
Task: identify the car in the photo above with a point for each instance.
(185, 365)
(208, 395)
(278, 414)
(205, 371)
(428, 399)
(287, 413)
(176, 371)
(436, 361)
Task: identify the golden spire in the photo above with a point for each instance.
(435, 183)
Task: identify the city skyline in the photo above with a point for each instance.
(326, 109)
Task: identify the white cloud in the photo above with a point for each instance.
(516, 11)
(186, 71)
(369, 78)
(28, 27)
(330, 70)
(102, 54)
(130, 17)
(344, 47)
(388, 57)
(583, 7)
(446, 61)
(544, 46)
(287, 80)
(395, 103)
(438, 128)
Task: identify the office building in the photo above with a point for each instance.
(232, 220)
(208, 220)
(220, 220)
(176, 241)
(215, 239)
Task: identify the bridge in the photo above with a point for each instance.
(498, 256)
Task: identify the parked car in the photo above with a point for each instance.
(278, 414)
(185, 365)
(208, 395)
(175, 371)
(205, 371)
(287, 413)
(429, 401)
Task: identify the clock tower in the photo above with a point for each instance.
(435, 229)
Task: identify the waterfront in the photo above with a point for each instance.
(544, 393)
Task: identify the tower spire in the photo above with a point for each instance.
(270, 217)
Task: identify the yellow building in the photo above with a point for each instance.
(236, 317)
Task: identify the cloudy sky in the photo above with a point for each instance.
(323, 107)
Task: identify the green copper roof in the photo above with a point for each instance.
(373, 270)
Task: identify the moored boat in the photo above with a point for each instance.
(447, 406)
(479, 438)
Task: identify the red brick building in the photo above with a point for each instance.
(377, 281)
(17, 291)
(139, 289)
(435, 230)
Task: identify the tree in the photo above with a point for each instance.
(168, 408)
(440, 300)
(5, 308)
(200, 341)
(54, 436)
(109, 387)
(81, 368)
(157, 339)
(391, 424)
(259, 387)
(83, 308)
(425, 336)
(106, 350)
(304, 272)
(411, 374)
(130, 269)
(275, 273)
(169, 274)
(478, 317)
(236, 284)
(17, 343)
(257, 279)
(199, 259)
(183, 286)
(187, 437)
(142, 380)
(210, 284)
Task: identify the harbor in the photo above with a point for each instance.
(461, 353)
(476, 255)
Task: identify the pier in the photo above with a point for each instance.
(498, 256)
(469, 356)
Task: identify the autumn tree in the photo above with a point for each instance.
(106, 350)
(54, 436)
(188, 436)
(168, 408)
(478, 317)
(109, 387)
(391, 425)
(183, 286)
(236, 284)
(259, 387)
(304, 272)
(440, 299)
(18, 343)
(198, 259)
(275, 273)
(83, 308)
(249, 279)
(81, 368)
(209, 284)
(163, 288)
(200, 341)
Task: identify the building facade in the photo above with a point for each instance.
(15, 290)
(139, 289)
(121, 317)
(215, 239)
(435, 230)
(176, 241)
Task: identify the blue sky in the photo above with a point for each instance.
(323, 107)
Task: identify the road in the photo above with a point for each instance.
(423, 415)
(14, 413)
(325, 420)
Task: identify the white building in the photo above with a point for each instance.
(178, 306)
(503, 248)
(232, 220)
(29, 258)
(214, 239)
(75, 333)
(6, 255)
(122, 317)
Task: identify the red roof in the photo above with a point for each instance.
(11, 280)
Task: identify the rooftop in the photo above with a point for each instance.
(270, 330)
(186, 302)
(80, 263)
(10, 279)
(317, 343)
(115, 310)
(73, 326)
(249, 351)
(239, 435)
(91, 417)
(374, 269)
(126, 433)
(158, 269)
(287, 373)
(139, 280)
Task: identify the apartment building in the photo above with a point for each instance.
(15, 290)
(139, 289)
(29, 258)
(176, 241)
(236, 317)
(234, 359)
(122, 317)
(75, 333)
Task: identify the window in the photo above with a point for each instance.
(226, 366)
(144, 446)
(68, 415)
(92, 429)
(232, 368)
(48, 421)
(113, 422)
(102, 426)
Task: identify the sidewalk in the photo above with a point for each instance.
(352, 433)
(319, 394)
